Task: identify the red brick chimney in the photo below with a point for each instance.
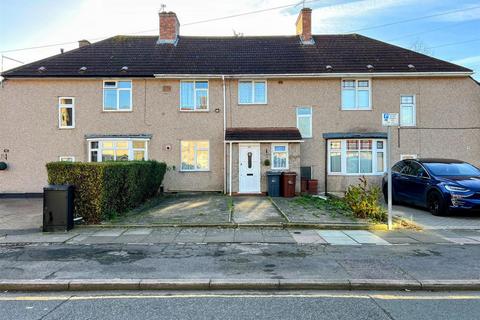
(304, 26)
(169, 27)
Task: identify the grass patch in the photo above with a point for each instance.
(332, 205)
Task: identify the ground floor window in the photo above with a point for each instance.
(195, 155)
(279, 156)
(356, 157)
(117, 150)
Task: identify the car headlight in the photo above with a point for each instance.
(456, 188)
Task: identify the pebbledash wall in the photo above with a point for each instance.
(447, 122)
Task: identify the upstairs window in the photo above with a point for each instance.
(356, 95)
(194, 95)
(117, 150)
(66, 113)
(279, 156)
(407, 111)
(304, 121)
(252, 92)
(117, 95)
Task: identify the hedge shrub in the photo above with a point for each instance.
(364, 201)
(103, 190)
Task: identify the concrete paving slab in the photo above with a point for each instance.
(191, 235)
(335, 237)
(38, 238)
(138, 231)
(306, 236)
(109, 232)
(255, 209)
(219, 235)
(248, 235)
(365, 237)
(425, 236)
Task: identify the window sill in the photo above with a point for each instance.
(194, 111)
(342, 109)
(66, 128)
(355, 174)
(279, 169)
(117, 111)
(187, 171)
(408, 126)
(252, 104)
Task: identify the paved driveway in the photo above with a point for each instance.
(429, 221)
(18, 214)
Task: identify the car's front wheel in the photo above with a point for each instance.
(436, 204)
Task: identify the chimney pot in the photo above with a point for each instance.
(83, 43)
(304, 26)
(169, 27)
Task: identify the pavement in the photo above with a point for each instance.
(23, 213)
(180, 235)
(331, 305)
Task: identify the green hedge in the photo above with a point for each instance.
(103, 190)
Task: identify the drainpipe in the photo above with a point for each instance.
(224, 131)
(326, 166)
(230, 180)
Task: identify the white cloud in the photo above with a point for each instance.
(473, 60)
(467, 15)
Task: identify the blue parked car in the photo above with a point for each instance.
(440, 185)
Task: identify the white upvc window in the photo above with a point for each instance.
(117, 149)
(66, 112)
(194, 95)
(279, 156)
(195, 155)
(252, 92)
(66, 158)
(117, 95)
(304, 121)
(407, 111)
(356, 157)
(356, 94)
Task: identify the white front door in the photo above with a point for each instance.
(249, 168)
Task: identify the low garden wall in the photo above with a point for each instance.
(103, 190)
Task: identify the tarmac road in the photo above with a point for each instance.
(241, 305)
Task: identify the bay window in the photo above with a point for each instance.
(356, 94)
(117, 150)
(279, 156)
(195, 155)
(356, 157)
(194, 95)
(252, 92)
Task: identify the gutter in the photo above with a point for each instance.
(318, 75)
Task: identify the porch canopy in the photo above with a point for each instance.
(266, 134)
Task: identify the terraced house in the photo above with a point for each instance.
(217, 108)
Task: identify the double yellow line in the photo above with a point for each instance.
(252, 296)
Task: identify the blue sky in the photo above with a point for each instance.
(453, 37)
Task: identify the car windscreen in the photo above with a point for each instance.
(452, 169)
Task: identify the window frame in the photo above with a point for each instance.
(118, 95)
(64, 158)
(195, 108)
(273, 154)
(304, 116)
(60, 106)
(414, 105)
(130, 147)
(252, 92)
(343, 157)
(356, 89)
(195, 149)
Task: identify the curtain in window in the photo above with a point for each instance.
(187, 95)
